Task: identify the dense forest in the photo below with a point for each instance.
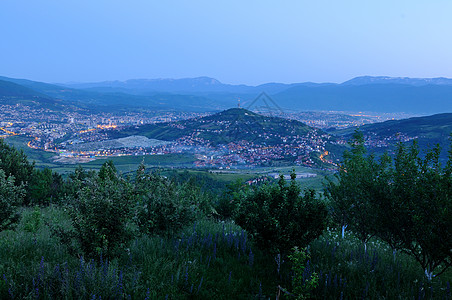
(381, 228)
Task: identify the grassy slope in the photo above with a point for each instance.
(210, 260)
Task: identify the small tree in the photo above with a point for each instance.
(101, 213)
(303, 282)
(352, 195)
(15, 163)
(11, 197)
(279, 217)
(419, 217)
(45, 187)
(164, 206)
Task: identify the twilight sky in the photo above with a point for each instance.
(243, 41)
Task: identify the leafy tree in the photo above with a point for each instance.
(11, 197)
(45, 187)
(164, 206)
(418, 219)
(407, 203)
(279, 217)
(15, 163)
(227, 203)
(101, 214)
(361, 184)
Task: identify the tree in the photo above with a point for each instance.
(15, 163)
(279, 217)
(230, 198)
(101, 214)
(11, 197)
(418, 219)
(164, 206)
(360, 184)
(407, 203)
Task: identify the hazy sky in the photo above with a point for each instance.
(246, 41)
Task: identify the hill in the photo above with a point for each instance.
(113, 98)
(239, 137)
(428, 131)
(232, 125)
(12, 94)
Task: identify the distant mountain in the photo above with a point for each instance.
(425, 99)
(198, 85)
(12, 94)
(10, 89)
(114, 98)
(232, 125)
(365, 80)
(374, 94)
(366, 93)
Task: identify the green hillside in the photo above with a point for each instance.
(12, 94)
(232, 125)
(428, 131)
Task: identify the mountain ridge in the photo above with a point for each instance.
(366, 93)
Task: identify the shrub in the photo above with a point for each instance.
(11, 197)
(163, 206)
(280, 218)
(100, 215)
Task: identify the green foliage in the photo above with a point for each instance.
(163, 206)
(228, 202)
(302, 285)
(421, 204)
(11, 197)
(45, 187)
(407, 203)
(100, 215)
(346, 270)
(361, 184)
(15, 163)
(32, 221)
(279, 218)
(212, 260)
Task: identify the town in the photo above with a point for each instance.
(76, 135)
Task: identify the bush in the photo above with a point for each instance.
(280, 218)
(11, 197)
(163, 206)
(101, 215)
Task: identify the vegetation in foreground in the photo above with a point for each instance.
(100, 235)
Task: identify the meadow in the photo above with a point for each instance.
(207, 259)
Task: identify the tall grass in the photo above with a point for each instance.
(349, 271)
(208, 260)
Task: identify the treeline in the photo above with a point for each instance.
(404, 203)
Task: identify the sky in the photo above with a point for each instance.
(237, 42)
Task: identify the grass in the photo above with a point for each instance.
(348, 271)
(204, 260)
(207, 260)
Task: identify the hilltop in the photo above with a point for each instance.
(232, 125)
(241, 137)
